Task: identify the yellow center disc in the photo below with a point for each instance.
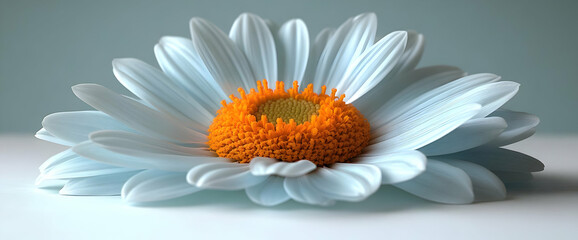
(288, 108)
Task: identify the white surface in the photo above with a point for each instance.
(546, 208)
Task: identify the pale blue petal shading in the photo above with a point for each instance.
(223, 175)
(75, 127)
(154, 185)
(471, 134)
(420, 94)
(269, 192)
(341, 181)
(225, 61)
(412, 53)
(103, 185)
(176, 163)
(397, 78)
(491, 96)
(136, 115)
(67, 165)
(252, 35)
(293, 39)
(395, 167)
(153, 86)
(346, 181)
(487, 186)
(139, 145)
(301, 190)
(429, 78)
(42, 134)
(79, 167)
(349, 41)
(369, 69)
(442, 183)
(418, 130)
(315, 51)
(57, 159)
(181, 62)
(42, 182)
(521, 125)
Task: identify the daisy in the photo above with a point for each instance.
(266, 111)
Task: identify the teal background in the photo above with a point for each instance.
(48, 46)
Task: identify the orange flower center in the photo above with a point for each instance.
(318, 127)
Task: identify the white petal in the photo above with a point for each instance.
(153, 185)
(401, 75)
(139, 145)
(100, 185)
(499, 159)
(428, 78)
(425, 93)
(164, 162)
(315, 51)
(487, 186)
(520, 126)
(68, 164)
(395, 167)
(346, 181)
(418, 130)
(136, 115)
(261, 166)
(294, 51)
(471, 134)
(225, 176)
(181, 62)
(76, 126)
(42, 134)
(301, 190)
(441, 182)
(491, 96)
(348, 42)
(42, 182)
(372, 66)
(153, 86)
(226, 63)
(79, 167)
(57, 159)
(252, 35)
(268, 193)
(411, 54)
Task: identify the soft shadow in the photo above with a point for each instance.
(50, 189)
(543, 183)
(387, 199)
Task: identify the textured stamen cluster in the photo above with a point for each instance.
(288, 108)
(318, 127)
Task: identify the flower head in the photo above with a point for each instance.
(318, 127)
(267, 111)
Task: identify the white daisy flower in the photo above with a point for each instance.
(267, 111)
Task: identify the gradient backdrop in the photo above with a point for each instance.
(48, 46)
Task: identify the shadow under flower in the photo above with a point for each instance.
(49, 189)
(544, 183)
(387, 199)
